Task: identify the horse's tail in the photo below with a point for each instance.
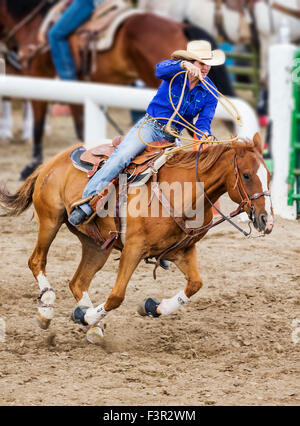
(17, 203)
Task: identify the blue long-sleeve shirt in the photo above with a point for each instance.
(196, 101)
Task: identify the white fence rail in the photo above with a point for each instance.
(92, 95)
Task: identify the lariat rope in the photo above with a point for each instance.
(233, 112)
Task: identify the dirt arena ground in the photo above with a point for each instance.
(231, 345)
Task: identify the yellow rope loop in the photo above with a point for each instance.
(236, 117)
(187, 125)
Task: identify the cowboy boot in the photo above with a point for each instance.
(84, 210)
(77, 217)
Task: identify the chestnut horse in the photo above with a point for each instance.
(141, 42)
(237, 168)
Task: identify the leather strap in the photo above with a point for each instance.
(26, 20)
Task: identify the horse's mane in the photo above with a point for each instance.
(20, 8)
(209, 156)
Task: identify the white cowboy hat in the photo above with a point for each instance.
(200, 50)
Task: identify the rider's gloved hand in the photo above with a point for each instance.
(206, 137)
(191, 69)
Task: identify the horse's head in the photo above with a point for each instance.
(248, 183)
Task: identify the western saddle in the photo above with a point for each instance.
(93, 159)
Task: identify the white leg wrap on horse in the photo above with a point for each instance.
(168, 306)
(48, 298)
(5, 120)
(85, 300)
(94, 315)
(27, 121)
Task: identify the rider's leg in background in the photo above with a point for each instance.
(75, 15)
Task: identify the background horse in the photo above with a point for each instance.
(264, 22)
(236, 168)
(6, 119)
(141, 42)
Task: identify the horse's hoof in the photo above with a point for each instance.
(42, 321)
(30, 168)
(148, 308)
(95, 335)
(78, 314)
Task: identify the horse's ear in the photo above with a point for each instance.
(258, 143)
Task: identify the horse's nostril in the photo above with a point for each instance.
(263, 219)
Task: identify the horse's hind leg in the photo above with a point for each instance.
(48, 228)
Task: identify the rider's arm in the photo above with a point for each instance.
(167, 69)
(206, 115)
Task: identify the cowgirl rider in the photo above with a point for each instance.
(197, 59)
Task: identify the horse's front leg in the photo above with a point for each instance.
(130, 258)
(186, 261)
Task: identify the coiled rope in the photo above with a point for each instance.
(233, 112)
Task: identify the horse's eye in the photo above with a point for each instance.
(246, 176)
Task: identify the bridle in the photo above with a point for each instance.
(246, 199)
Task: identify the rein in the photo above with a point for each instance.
(25, 20)
(240, 208)
(245, 198)
(192, 233)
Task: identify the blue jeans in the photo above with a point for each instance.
(75, 15)
(129, 148)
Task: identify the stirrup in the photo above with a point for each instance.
(94, 204)
(93, 200)
(84, 201)
(80, 202)
(89, 219)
